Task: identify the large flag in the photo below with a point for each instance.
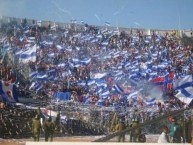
(28, 55)
(184, 88)
(7, 91)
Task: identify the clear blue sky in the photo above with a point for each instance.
(158, 14)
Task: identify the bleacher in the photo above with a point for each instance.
(16, 122)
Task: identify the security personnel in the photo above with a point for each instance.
(188, 130)
(36, 127)
(120, 127)
(135, 133)
(114, 122)
(57, 122)
(49, 129)
(39, 112)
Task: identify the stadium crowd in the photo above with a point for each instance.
(70, 60)
(96, 66)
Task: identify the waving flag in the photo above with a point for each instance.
(151, 102)
(107, 24)
(7, 91)
(86, 60)
(184, 87)
(183, 82)
(39, 23)
(118, 89)
(164, 82)
(185, 95)
(28, 55)
(99, 75)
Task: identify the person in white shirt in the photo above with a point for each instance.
(163, 138)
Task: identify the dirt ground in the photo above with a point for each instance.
(150, 139)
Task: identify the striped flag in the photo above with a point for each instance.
(28, 55)
(107, 24)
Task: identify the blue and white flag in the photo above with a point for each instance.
(106, 93)
(39, 23)
(99, 75)
(91, 82)
(28, 55)
(184, 87)
(32, 85)
(107, 24)
(183, 82)
(101, 83)
(82, 83)
(151, 102)
(118, 89)
(99, 90)
(33, 74)
(41, 76)
(134, 94)
(185, 95)
(86, 60)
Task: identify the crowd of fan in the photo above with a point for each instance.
(122, 55)
(134, 56)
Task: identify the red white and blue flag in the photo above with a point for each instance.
(7, 91)
(165, 83)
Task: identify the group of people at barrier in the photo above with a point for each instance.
(35, 124)
(21, 122)
(173, 130)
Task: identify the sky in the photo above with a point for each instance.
(148, 14)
